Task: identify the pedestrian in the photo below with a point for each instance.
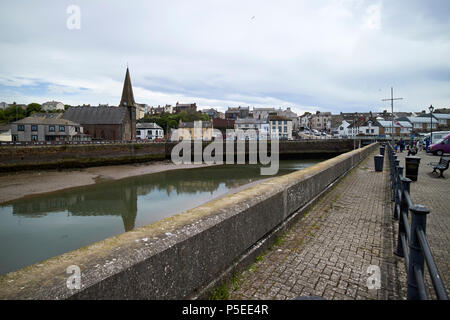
(427, 143)
(402, 145)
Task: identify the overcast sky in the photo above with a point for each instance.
(341, 55)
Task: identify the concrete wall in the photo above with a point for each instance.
(14, 158)
(179, 257)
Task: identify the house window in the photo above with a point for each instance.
(62, 128)
(279, 129)
(34, 138)
(20, 127)
(285, 129)
(33, 127)
(14, 137)
(285, 121)
(138, 132)
(51, 128)
(372, 130)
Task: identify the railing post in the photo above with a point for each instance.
(416, 257)
(397, 186)
(401, 223)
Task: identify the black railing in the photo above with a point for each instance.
(414, 235)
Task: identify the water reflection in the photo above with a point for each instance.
(120, 198)
(39, 227)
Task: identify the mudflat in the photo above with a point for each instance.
(16, 185)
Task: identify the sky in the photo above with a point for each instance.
(334, 55)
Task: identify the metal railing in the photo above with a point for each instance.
(414, 235)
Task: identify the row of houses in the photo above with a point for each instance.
(400, 126)
(46, 106)
(45, 127)
(276, 127)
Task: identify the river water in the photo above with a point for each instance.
(36, 228)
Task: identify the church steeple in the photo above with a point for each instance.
(127, 92)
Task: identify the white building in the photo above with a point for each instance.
(140, 110)
(149, 131)
(442, 118)
(370, 128)
(280, 127)
(52, 106)
(288, 113)
(3, 105)
(401, 128)
(321, 121)
(343, 129)
(422, 123)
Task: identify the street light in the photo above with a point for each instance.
(431, 116)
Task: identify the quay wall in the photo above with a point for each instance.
(16, 158)
(186, 255)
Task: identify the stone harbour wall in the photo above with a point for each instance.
(184, 256)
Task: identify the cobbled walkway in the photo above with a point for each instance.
(328, 251)
(434, 192)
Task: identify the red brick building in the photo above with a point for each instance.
(108, 123)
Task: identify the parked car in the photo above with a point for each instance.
(442, 146)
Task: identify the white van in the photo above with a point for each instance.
(437, 135)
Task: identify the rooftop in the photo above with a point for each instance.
(96, 115)
(147, 125)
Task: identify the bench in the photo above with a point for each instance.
(442, 165)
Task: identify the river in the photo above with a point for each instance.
(36, 228)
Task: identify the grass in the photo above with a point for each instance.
(222, 292)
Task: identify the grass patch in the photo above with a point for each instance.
(222, 292)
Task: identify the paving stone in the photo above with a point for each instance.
(353, 229)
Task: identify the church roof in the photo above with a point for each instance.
(96, 115)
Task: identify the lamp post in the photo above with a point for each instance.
(431, 116)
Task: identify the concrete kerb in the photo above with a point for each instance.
(180, 256)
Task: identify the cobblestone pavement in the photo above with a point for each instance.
(327, 252)
(434, 193)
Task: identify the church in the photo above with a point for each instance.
(105, 122)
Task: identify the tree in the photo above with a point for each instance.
(168, 121)
(13, 113)
(33, 108)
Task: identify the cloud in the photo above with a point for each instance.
(330, 55)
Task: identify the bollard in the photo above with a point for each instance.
(416, 258)
(382, 151)
(379, 159)
(412, 167)
(401, 225)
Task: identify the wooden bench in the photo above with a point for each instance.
(442, 165)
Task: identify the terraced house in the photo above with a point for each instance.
(46, 127)
(280, 127)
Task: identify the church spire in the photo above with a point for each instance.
(127, 92)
